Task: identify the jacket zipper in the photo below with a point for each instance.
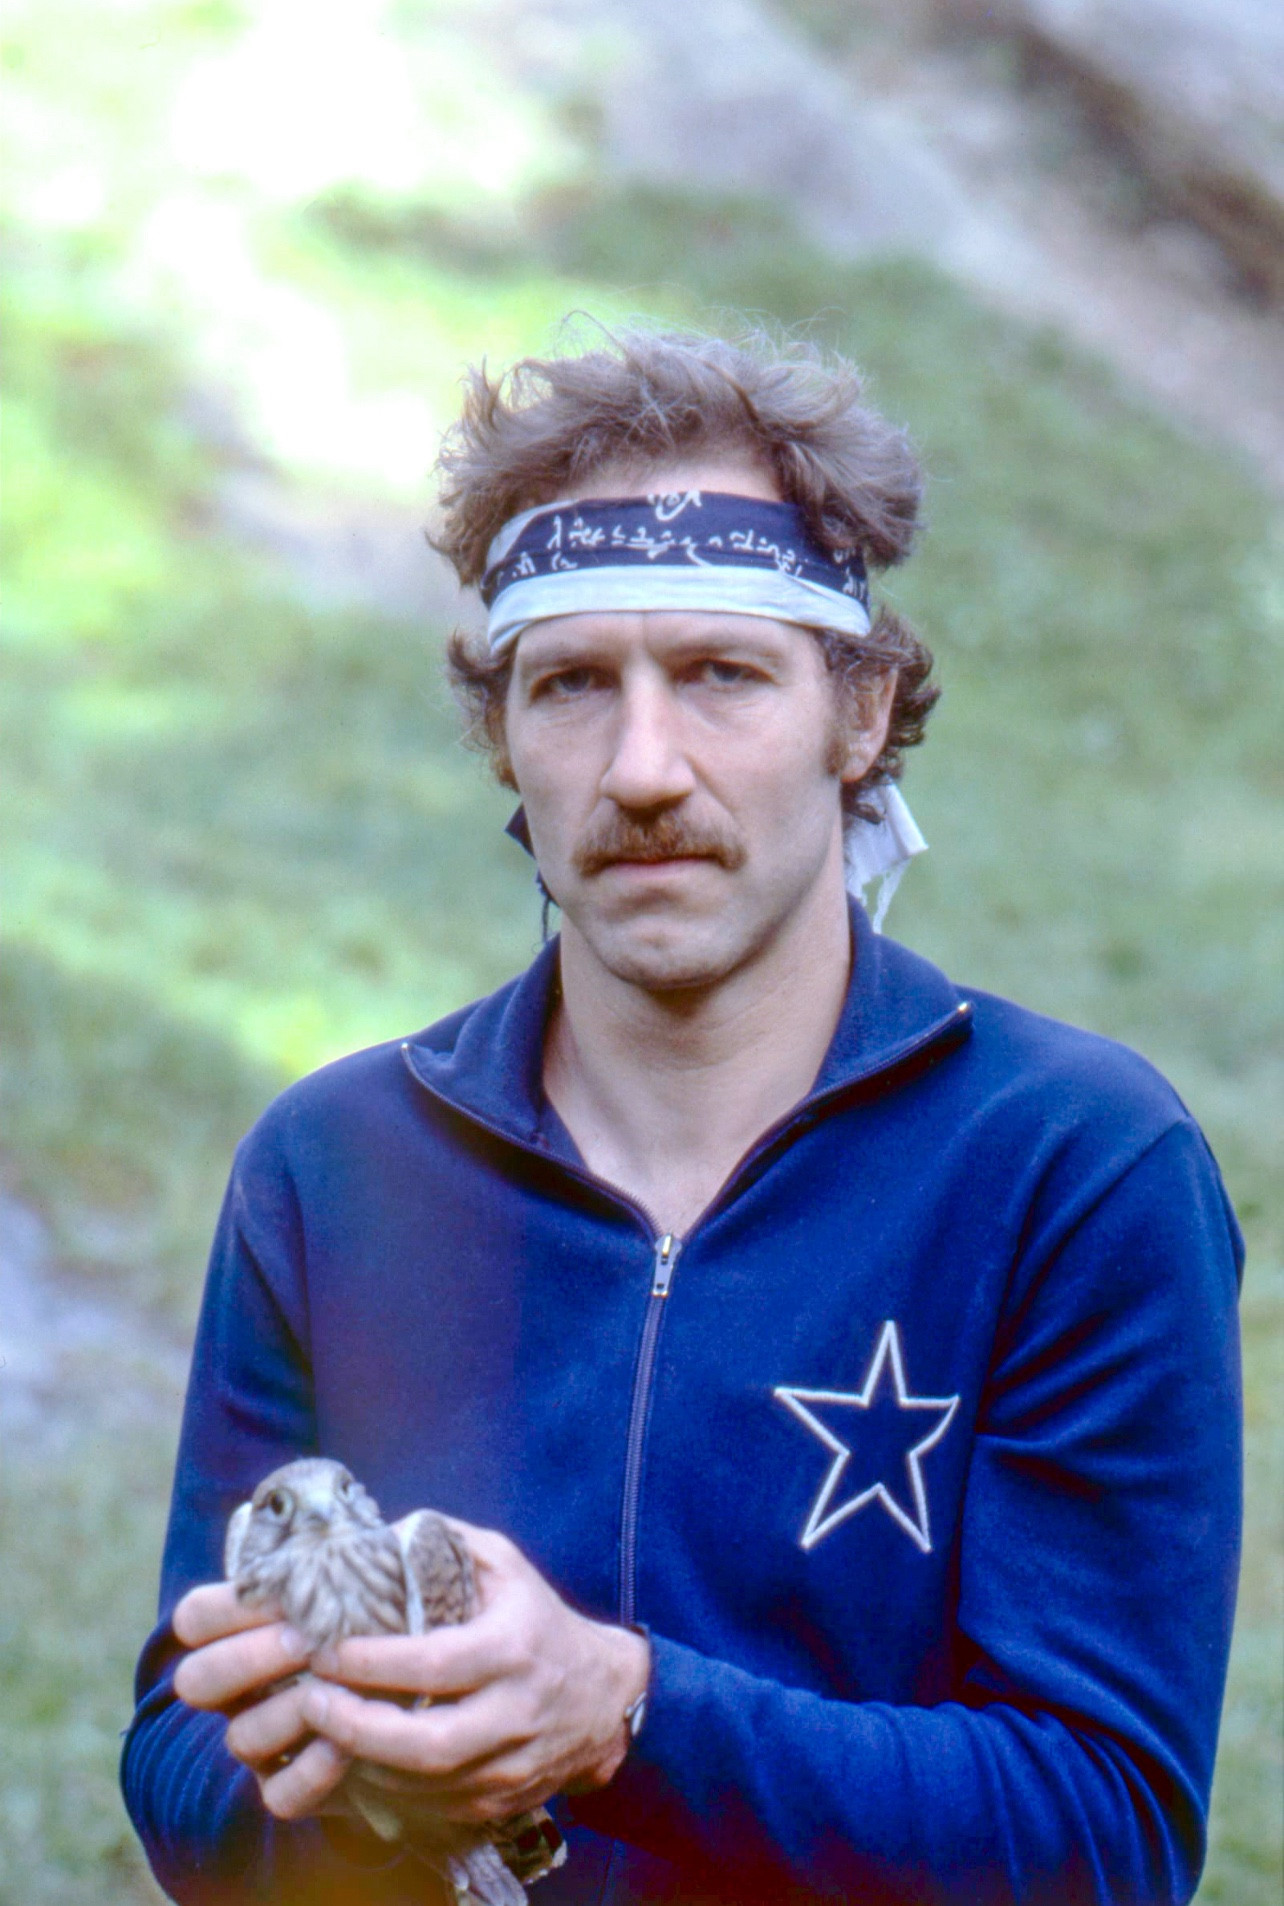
(667, 1249)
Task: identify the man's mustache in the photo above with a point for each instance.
(668, 836)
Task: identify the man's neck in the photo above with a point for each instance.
(664, 1094)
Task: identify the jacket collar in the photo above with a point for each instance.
(487, 1060)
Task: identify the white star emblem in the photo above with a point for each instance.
(823, 1518)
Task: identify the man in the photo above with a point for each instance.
(834, 1374)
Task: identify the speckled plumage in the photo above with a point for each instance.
(311, 1542)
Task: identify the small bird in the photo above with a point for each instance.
(311, 1542)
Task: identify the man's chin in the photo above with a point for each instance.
(665, 957)
(672, 976)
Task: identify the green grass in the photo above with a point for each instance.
(80, 1530)
(243, 835)
(1247, 1829)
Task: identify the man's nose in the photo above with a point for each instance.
(648, 765)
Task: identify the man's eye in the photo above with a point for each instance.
(565, 684)
(723, 674)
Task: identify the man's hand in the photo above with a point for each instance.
(238, 1653)
(533, 1696)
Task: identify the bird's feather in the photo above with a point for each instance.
(236, 1528)
(439, 1570)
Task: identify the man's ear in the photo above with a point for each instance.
(868, 717)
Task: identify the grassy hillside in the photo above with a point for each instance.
(242, 836)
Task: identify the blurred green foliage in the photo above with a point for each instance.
(242, 834)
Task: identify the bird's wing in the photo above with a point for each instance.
(237, 1525)
(440, 1579)
(441, 1584)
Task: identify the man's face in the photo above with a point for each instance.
(680, 774)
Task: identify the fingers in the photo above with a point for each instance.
(225, 1671)
(212, 1610)
(260, 1734)
(306, 1783)
(434, 1742)
(451, 1661)
(446, 1663)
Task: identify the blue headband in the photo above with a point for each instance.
(692, 550)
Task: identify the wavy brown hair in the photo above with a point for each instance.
(639, 400)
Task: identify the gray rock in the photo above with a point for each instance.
(724, 94)
(904, 139)
(1196, 90)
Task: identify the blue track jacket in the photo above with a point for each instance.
(918, 1456)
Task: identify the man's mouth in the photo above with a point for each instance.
(658, 860)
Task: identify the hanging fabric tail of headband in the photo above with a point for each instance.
(881, 850)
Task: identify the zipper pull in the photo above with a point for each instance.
(666, 1256)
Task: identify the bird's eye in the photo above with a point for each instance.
(278, 1503)
(345, 1486)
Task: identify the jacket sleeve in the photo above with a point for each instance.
(249, 1408)
(1097, 1558)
